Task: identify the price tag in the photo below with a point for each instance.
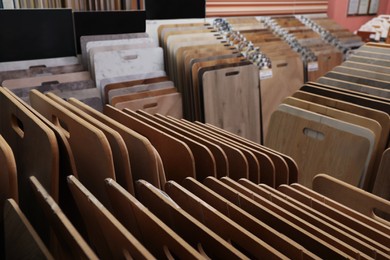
(265, 74)
(312, 66)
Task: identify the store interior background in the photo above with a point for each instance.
(337, 10)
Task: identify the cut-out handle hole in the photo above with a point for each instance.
(233, 73)
(48, 83)
(130, 57)
(61, 125)
(17, 125)
(313, 134)
(150, 105)
(382, 216)
(38, 67)
(280, 65)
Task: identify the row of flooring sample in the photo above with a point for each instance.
(137, 79)
(325, 56)
(286, 72)
(339, 125)
(219, 86)
(217, 216)
(129, 71)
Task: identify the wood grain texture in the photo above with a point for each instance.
(154, 234)
(326, 149)
(38, 81)
(139, 88)
(374, 126)
(186, 226)
(355, 87)
(380, 116)
(287, 77)
(21, 240)
(109, 237)
(91, 169)
(352, 98)
(131, 80)
(71, 243)
(143, 160)
(231, 100)
(137, 96)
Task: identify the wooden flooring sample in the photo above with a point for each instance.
(382, 183)
(331, 146)
(21, 240)
(36, 153)
(93, 160)
(110, 238)
(70, 243)
(154, 234)
(231, 100)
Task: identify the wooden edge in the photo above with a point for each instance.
(17, 226)
(351, 196)
(62, 227)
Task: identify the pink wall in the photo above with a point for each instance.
(337, 10)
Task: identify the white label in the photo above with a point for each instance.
(312, 66)
(265, 74)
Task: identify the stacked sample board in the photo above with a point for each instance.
(339, 125)
(78, 183)
(285, 74)
(219, 86)
(319, 56)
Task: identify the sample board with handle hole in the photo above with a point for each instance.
(36, 153)
(331, 146)
(93, 159)
(36, 71)
(353, 197)
(105, 37)
(168, 105)
(231, 100)
(136, 44)
(127, 62)
(138, 88)
(109, 84)
(144, 161)
(287, 77)
(374, 126)
(176, 167)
